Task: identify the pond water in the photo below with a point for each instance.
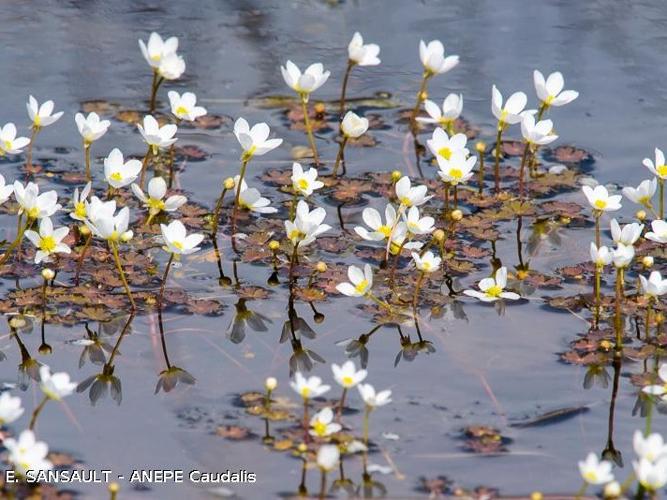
(486, 369)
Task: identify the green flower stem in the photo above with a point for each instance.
(155, 85)
(496, 166)
(598, 272)
(649, 310)
(522, 169)
(306, 436)
(33, 135)
(581, 491)
(86, 154)
(119, 267)
(36, 412)
(480, 188)
(144, 166)
(216, 213)
(348, 70)
(420, 98)
(17, 240)
(309, 128)
(237, 199)
(341, 404)
(323, 483)
(661, 183)
(79, 263)
(620, 277)
(339, 156)
(415, 296)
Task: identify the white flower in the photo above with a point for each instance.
(91, 127)
(410, 196)
(652, 447)
(155, 136)
(42, 116)
(360, 54)
(595, 471)
(118, 172)
(652, 476)
(399, 237)
(254, 141)
(33, 204)
(104, 224)
(307, 225)
(373, 220)
(643, 193)
(9, 143)
(48, 241)
(327, 457)
(457, 169)
(98, 209)
(184, 107)
(427, 263)
(155, 202)
(432, 56)
(442, 146)
(57, 385)
(308, 81)
(658, 389)
(171, 67)
(373, 399)
(628, 235)
(177, 241)
(600, 199)
(308, 388)
(600, 256)
(271, 383)
(537, 133)
(493, 289)
(347, 376)
(417, 224)
(80, 211)
(658, 231)
(622, 255)
(452, 107)
(304, 183)
(157, 49)
(251, 199)
(27, 454)
(360, 283)
(322, 424)
(658, 168)
(353, 125)
(10, 408)
(6, 190)
(550, 92)
(511, 112)
(654, 286)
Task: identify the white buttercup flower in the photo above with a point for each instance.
(600, 199)
(360, 283)
(10, 408)
(307, 225)
(452, 107)
(79, 199)
(643, 193)
(304, 183)
(107, 226)
(42, 116)
(540, 133)
(27, 454)
(118, 172)
(251, 199)
(654, 286)
(600, 256)
(410, 196)
(6, 190)
(353, 125)
(57, 385)
(308, 388)
(328, 456)
(432, 56)
(155, 136)
(658, 231)
(628, 235)
(91, 127)
(254, 141)
(658, 168)
(457, 169)
(493, 289)
(427, 263)
(363, 54)
(416, 224)
(658, 389)
(651, 447)
(445, 147)
(155, 202)
(184, 107)
(595, 471)
(347, 376)
(33, 204)
(308, 81)
(48, 241)
(322, 424)
(622, 255)
(171, 67)
(550, 92)
(373, 399)
(510, 113)
(9, 143)
(157, 49)
(373, 220)
(178, 241)
(651, 475)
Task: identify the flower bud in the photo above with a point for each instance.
(17, 322)
(45, 349)
(321, 267)
(456, 215)
(536, 495)
(439, 235)
(396, 175)
(114, 488)
(641, 215)
(48, 274)
(647, 261)
(521, 274)
(480, 146)
(605, 345)
(274, 245)
(302, 448)
(271, 383)
(229, 183)
(612, 490)
(320, 108)
(84, 230)
(126, 236)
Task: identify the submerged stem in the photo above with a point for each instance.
(237, 198)
(119, 267)
(216, 213)
(339, 156)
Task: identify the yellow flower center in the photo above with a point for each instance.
(600, 204)
(116, 176)
(320, 428)
(247, 154)
(33, 212)
(305, 392)
(37, 121)
(549, 100)
(47, 244)
(406, 201)
(80, 209)
(426, 266)
(295, 234)
(503, 116)
(155, 205)
(444, 121)
(456, 173)
(303, 184)
(361, 286)
(8, 145)
(590, 476)
(445, 152)
(348, 381)
(662, 170)
(494, 291)
(385, 230)
(181, 110)
(177, 244)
